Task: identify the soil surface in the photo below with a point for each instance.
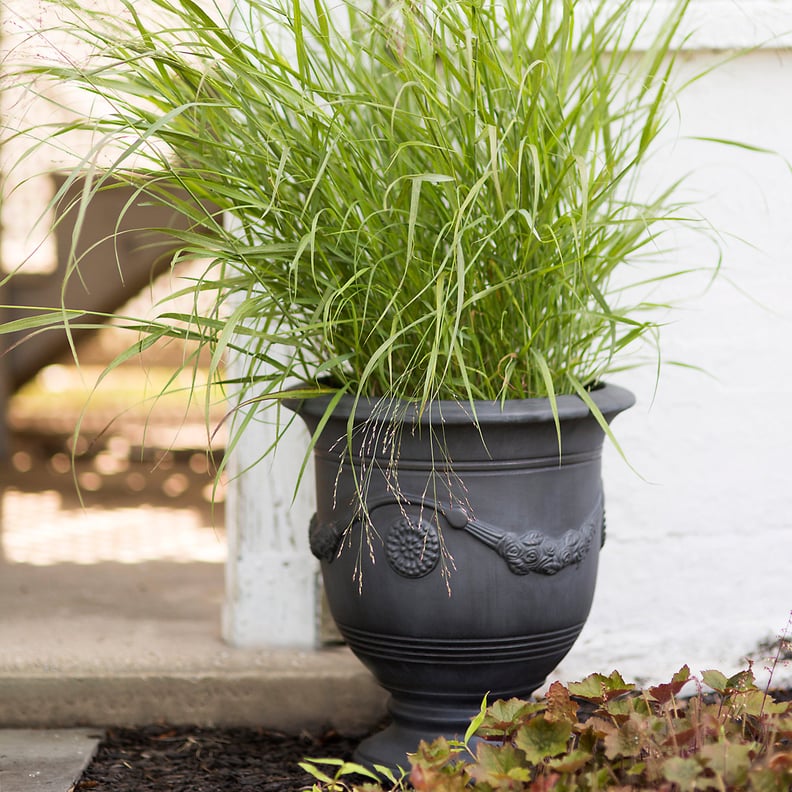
(189, 759)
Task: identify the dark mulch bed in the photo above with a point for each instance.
(191, 759)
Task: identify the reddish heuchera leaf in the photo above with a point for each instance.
(598, 688)
(599, 727)
(505, 717)
(682, 737)
(419, 777)
(435, 781)
(500, 767)
(430, 769)
(560, 706)
(729, 761)
(434, 754)
(630, 739)
(570, 762)
(756, 702)
(741, 681)
(682, 772)
(783, 727)
(621, 709)
(631, 788)
(544, 783)
(715, 679)
(665, 692)
(589, 689)
(541, 738)
(781, 761)
(616, 686)
(766, 780)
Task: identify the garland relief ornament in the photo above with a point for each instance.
(412, 545)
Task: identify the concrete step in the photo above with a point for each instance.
(113, 644)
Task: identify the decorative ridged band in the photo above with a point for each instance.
(492, 466)
(401, 648)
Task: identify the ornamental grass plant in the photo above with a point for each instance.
(420, 200)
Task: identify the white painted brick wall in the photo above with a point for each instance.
(698, 564)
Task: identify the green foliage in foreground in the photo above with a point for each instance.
(605, 734)
(426, 200)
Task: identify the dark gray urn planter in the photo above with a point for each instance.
(517, 526)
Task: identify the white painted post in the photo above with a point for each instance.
(271, 576)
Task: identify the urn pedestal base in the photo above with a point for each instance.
(413, 722)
